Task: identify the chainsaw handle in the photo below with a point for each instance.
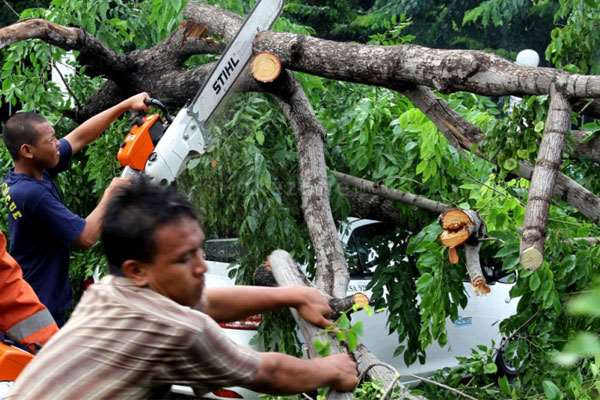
(155, 102)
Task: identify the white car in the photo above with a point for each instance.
(477, 323)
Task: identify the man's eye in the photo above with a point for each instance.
(185, 259)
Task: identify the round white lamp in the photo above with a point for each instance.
(528, 58)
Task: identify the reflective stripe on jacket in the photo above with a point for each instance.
(22, 316)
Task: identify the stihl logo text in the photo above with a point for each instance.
(225, 74)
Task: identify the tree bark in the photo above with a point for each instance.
(393, 66)
(369, 206)
(542, 181)
(332, 271)
(380, 190)
(586, 150)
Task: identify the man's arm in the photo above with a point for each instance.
(238, 302)
(93, 222)
(91, 129)
(282, 374)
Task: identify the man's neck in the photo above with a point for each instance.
(28, 169)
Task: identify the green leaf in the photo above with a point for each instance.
(551, 391)
(504, 386)
(260, 137)
(490, 368)
(322, 347)
(510, 164)
(534, 282)
(343, 322)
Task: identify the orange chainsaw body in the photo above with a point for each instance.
(139, 143)
(12, 361)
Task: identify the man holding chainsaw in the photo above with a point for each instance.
(42, 229)
(152, 323)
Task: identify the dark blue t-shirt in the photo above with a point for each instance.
(41, 231)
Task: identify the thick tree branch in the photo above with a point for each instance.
(222, 24)
(458, 130)
(380, 190)
(548, 163)
(332, 271)
(101, 59)
(369, 206)
(390, 66)
(286, 273)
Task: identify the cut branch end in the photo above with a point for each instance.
(266, 67)
(532, 258)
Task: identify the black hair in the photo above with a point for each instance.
(133, 216)
(20, 129)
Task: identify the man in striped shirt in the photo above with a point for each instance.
(151, 323)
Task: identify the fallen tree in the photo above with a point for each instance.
(411, 70)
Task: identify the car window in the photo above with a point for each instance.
(372, 245)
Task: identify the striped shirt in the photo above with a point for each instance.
(127, 342)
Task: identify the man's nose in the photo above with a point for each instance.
(200, 266)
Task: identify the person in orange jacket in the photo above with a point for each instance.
(23, 318)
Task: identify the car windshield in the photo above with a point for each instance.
(373, 245)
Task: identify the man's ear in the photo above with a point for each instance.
(25, 151)
(136, 271)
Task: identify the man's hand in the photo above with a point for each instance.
(138, 102)
(115, 185)
(314, 307)
(344, 370)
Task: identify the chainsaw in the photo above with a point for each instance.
(159, 148)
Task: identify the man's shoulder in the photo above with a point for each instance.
(22, 187)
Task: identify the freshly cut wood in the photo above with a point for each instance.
(532, 258)
(465, 227)
(478, 281)
(454, 219)
(454, 238)
(458, 226)
(265, 67)
(453, 255)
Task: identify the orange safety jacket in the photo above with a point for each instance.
(23, 317)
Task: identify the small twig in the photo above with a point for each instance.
(405, 394)
(307, 396)
(11, 9)
(432, 382)
(523, 325)
(388, 366)
(78, 104)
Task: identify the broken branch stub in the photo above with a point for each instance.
(465, 227)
